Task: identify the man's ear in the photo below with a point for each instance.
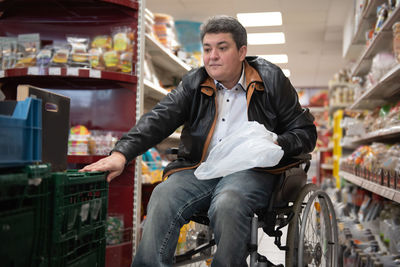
(242, 52)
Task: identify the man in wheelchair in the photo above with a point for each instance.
(211, 102)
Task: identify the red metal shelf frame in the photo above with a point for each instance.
(128, 3)
(80, 73)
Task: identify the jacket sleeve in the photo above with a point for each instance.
(296, 130)
(156, 125)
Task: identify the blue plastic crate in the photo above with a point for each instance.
(20, 132)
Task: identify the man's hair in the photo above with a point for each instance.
(225, 24)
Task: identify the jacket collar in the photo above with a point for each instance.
(208, 87)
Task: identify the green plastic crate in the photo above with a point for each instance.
(78, 218)
(87, 249)
(24, 200)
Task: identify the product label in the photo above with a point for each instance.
(33, 71)
(73, 71)
(54, 71)
(95, 73)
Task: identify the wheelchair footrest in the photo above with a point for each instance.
(264, 262)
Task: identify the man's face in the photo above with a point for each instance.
(222, 59)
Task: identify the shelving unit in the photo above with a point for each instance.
(383, 191)
(100, 100)
(169, 69)
(164, 58)
(365, 21)
(381, 42)
(386, 90)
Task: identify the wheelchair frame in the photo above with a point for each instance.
(294, 212)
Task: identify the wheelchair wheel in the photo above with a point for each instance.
(318, 244)
(293, 234)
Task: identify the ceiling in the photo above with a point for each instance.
(313, 31)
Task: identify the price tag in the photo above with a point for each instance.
(94, 73)
(73, 71)
(1, 73)
(54, 71)
(33, 71)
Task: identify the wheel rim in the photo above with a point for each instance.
(316, 233)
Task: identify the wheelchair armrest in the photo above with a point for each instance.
(172, 151)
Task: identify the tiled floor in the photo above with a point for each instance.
(267, 247)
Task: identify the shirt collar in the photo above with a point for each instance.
(241, 82)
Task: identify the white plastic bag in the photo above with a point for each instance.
(250, 146)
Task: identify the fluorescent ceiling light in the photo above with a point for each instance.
(286, 72)
(266, 38)
(278, 58)
(259, 19)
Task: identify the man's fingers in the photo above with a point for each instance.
(112, 175)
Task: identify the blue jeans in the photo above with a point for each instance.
(230, 201)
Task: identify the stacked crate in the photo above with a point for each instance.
(46, 218)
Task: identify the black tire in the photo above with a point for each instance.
(292, 238)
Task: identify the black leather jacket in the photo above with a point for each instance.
(271, 101)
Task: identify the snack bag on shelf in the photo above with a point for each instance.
(152, 160)
(60, 56)
(28, 47)
(125, 62)
(382, 14)
(8, 52)
(115, 229)
(101, 142)
(393, 117)
(95, 58)
(103, 42)
(43, 58)
(111, 60)
(78, 141)
(123, 39)
(396, 40)
(79, 55)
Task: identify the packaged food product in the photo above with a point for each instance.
(28, 47)
(125, 62)
(95, 58)
(44, 57)
(396, 41)
(79, 51)
(78, 142)
(8, 52)
(25, 62)
(382, 14)
(123, 39)
(102, 41)
(111, 60)
(60, 56)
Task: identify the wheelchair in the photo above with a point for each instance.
(308, 213)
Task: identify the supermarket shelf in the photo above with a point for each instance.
(385, 88)
(380, 43)
(326, 149)
(317, 109)
(87, 159)
(128, 3)
(366, 21)
(382, 134)
(163, 58)
(335, 85)
(154, 91)
(69, 72)
(383, 191)
(327, 166)
(333, 108)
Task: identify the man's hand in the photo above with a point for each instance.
(114, 164)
